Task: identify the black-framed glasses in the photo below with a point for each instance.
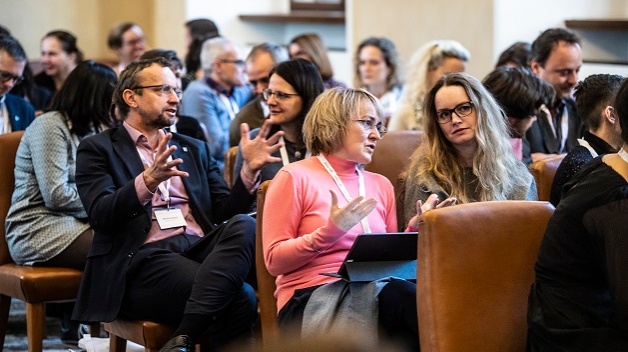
(368, 125)
(462, 110)
(163, 89)
(279, 96)
(235, 62)
(7, 76)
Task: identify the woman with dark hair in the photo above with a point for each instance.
(46, 223)
(292, 89)
(196, 33)
(310, 47)
(517, 55)
(59, 56)
(521, 94)
(579, 301)
(378, 71)
(35, 94)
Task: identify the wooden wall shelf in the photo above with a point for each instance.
(599, 24)
(330, 17)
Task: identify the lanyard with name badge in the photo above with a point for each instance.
(284, 153)
(362, 189)
(169, 217)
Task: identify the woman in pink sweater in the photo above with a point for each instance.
(320, 204)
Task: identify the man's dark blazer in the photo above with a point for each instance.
(21, 112)
(541, 138)
(252, 113)
(107, 165)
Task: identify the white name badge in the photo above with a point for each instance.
(170, 218)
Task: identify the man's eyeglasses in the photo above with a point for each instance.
(462, 110)
(6, 77)
(235, 62)
(279, 96)
(163, 89)
(369, 125)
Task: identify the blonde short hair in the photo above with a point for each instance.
(326, 123)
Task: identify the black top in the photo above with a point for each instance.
(574, 161)
(190, 127)
(579, 301)
(43, 80)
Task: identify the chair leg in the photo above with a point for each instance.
(94, 330)
(5, 306)
(116, 343)
(35, 326)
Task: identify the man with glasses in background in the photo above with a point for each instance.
(127, 41)
(261, 60)
(217, 97)
(15, 112)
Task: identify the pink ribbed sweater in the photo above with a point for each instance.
(297, 208)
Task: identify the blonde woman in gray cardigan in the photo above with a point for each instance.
(46, 224)
(466, 155)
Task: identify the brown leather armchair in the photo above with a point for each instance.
(543, 171)
(33, 285)
(475, 269)
(230, 158)
(393, 152)
(265, 281)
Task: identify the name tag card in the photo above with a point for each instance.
(170, 218)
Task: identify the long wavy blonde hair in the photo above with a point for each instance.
(494, 164)
(428, 57)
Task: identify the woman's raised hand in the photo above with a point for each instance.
(351, 214)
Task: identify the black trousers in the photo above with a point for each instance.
(171, 277)
(397, 312)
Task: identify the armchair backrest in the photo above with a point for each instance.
(8, 149)
(475, 269)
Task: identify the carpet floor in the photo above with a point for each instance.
(15, 339)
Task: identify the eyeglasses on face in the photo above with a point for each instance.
(163, 89)
(7, 76)
(462, 110)
(238, 62)
(279, 96)
(368, 125)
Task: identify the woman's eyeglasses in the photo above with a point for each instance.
(279, 96)
(462, 110)
(369, 125)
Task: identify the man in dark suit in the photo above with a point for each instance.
(261, 61)
(169, 245)
(15, 113)
(556, 58)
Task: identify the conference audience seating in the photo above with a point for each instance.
(267, 303)
(33, 285)
(543, 171)
(475, 268)
(393, 152)
(230, 158)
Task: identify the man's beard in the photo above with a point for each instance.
(160, 122)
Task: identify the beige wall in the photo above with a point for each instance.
(91, 20)
(411, 23)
